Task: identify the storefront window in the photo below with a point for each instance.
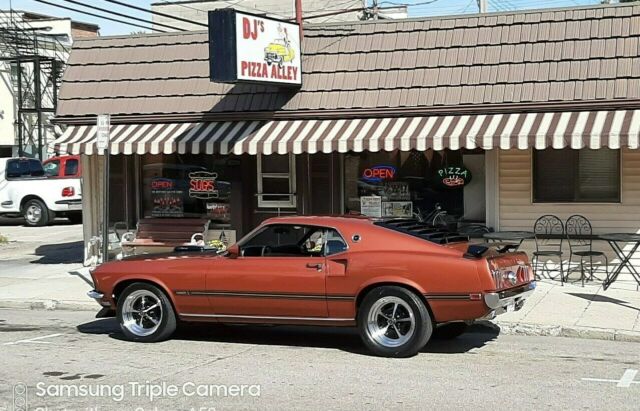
(186, 185)
(569, 175)
(276, 181)
(405, 183)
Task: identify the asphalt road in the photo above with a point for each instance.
(71, 360)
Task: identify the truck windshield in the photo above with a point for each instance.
(24, 168)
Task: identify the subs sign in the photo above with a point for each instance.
(454, 177)
(246, 47)
(202, 185)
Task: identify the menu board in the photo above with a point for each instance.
(371, 206)
(167, 199)
(219, 212)
(397, 209)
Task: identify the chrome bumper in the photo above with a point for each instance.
(510, 300)
(97, 295)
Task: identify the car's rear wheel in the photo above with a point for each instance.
(145, 313)
(394, 322)
(450, 331)
(36, 213)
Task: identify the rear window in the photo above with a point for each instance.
(71, 167)
(22, 168)
(422, 230)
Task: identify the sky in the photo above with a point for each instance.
(417, 8)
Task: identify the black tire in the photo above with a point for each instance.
(36, 213)
(450, 331)
(75, 218)
(167, 321)
(404, 303)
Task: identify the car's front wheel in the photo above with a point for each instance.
(394, 322)
(145, 313)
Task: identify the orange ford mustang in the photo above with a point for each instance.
(397, 281)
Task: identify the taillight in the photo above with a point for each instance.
(506, 274)
(68, 192)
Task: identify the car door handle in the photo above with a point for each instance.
(317, 266)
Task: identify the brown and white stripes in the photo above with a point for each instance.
(580, 129)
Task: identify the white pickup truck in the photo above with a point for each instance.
(26, 191)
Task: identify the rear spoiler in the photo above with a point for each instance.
(479, 250)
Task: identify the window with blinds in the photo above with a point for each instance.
(569, 175)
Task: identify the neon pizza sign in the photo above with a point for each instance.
(454, 177)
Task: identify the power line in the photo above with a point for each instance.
(98, 16)
(157, 13)
(122, 15)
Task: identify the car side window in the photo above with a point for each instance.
(285, 240)
(20, 168)
(71, 167)
(17, 169)
(52, 168)
(35, 168)
(334, 243)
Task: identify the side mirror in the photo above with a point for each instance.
(233, 251)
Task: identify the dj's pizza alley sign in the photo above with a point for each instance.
(248, 48)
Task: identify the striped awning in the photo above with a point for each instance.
(580, 129)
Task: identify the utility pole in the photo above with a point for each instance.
(482, 6)
(299, 15)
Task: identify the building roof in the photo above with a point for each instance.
(29, 15)
(540, 58)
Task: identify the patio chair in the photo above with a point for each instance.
(579, 236)
(549, 234)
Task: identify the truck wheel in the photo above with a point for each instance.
(36, 213)
(394, 322)
(145, 313)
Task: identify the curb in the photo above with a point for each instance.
(570, 331)
(50, 305)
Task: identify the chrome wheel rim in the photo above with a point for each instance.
(34, 213)
(391, 322)
(141, 313)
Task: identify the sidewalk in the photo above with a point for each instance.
(575, 311)
(56, 286)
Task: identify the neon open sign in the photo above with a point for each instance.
(377, 174)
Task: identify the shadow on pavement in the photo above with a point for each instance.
(18, 221)
(65, 253)
(345, 339)
(603, 299)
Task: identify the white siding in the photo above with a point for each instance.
(518, 212)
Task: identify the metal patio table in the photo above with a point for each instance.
(617, 242)
(514, 237)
